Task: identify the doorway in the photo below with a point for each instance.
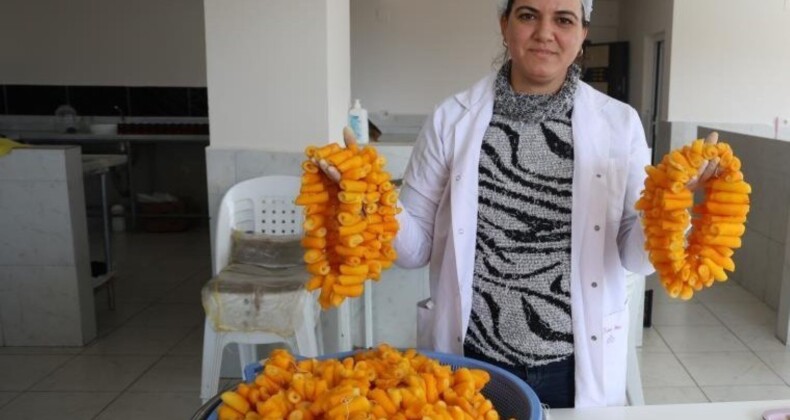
(656, 96)
(657, 87)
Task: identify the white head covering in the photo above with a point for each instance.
(586, 5)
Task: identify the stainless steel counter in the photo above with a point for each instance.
(48, 136)
(119, 144)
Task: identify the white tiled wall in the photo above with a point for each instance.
(38, 306)
(46, 298)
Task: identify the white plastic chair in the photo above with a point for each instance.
(262, 205)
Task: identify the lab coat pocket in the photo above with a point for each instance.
(615, 189)
(615, 349)
(425, 316)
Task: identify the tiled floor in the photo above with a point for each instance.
(718, 347)
(146, 362)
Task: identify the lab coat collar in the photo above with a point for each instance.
(589, 128)
(483, 89)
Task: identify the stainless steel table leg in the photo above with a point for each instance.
(105, 212)
(132, 199)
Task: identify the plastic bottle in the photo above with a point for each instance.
(358, 121)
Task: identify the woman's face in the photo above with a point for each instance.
(543, 38)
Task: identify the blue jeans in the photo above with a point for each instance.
(554, 383)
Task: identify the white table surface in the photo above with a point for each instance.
(714, 411)
(95, 164)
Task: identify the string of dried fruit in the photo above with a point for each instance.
(349, 225)
(688, 263)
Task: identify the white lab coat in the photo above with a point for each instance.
(439, 225)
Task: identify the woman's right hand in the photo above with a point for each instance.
(330, 170)
(709, 169)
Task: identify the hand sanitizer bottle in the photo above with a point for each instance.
(358, 121)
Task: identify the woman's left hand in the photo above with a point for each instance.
(709, 169)
(350, 141)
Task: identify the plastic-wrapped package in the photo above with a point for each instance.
(263, 287)
(266, 250)
(251, 298)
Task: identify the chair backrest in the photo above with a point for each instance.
(260, 205)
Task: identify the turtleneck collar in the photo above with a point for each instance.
(531, 108)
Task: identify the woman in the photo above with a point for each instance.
(520, 194)
(520, 197)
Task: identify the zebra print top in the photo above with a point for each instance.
(521, 313)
